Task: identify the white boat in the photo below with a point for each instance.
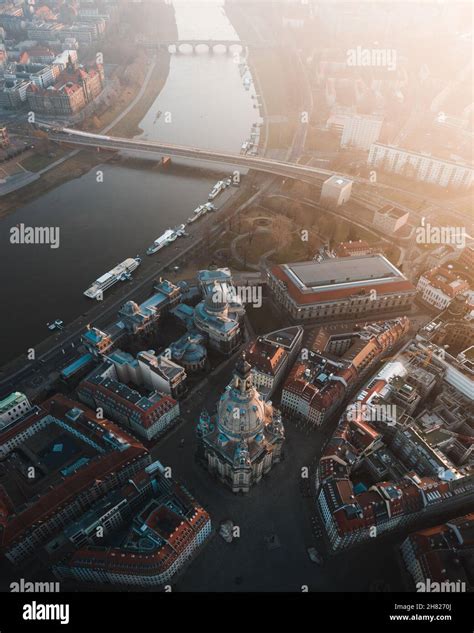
(218, 187)
(100, 285)
(161, 241)
(197, 213)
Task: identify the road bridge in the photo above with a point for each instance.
(259, 163)
(285, 169)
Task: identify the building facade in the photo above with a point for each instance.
(340, 287)
(439, 286)
(360, 131)
(72, 91)
(269, 363)
(13, 407)
(335, 191)
(421, 167)
(147, 416)
(244, 440)
(162, 528)
(318, 384)
(390, 219)
(99, 456)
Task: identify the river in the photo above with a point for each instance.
(105, 219)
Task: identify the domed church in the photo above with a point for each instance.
(244, 439)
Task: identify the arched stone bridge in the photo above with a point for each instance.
(181, 46)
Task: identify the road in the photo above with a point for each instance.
(314, 205)
(104, 312)
(285, 169)
(13, 184)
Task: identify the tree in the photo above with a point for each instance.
(281, 231)
(275, 204)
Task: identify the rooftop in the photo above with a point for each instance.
(338, 181)
(340, 277)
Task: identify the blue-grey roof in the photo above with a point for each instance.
(71, 369)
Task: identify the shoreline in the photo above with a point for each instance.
(99, 313)
(83, 161)
(233, 15)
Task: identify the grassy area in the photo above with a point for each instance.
(36, 162)
(322, 140)
(128, 127)
(253, 247)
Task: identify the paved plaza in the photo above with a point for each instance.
(275, 519)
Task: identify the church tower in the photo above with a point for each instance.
(244, 439)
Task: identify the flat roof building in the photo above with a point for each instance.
(390, 219)
(335, 191)
(340, 286)
(361, 131)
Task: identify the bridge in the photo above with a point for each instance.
(211, 45)
(267, 165)
(306, 173)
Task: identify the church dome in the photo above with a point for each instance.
(215, 304)
(247, 436)
(241, 410)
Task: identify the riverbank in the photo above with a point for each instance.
(83, 161)
(273, 71)
(189, 255)
(104, 220)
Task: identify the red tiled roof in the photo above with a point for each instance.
(115, 559)
(66, 490)
(443, 279)
(264, 356)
